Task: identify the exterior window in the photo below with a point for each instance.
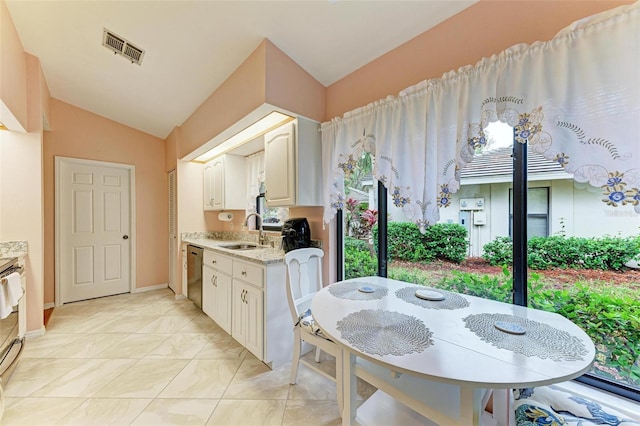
(272, 217)
(538, 212)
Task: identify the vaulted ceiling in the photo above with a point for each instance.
(191, 47)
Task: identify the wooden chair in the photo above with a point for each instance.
(304, 270)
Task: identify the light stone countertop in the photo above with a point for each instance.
(262, 256)
(13, 249)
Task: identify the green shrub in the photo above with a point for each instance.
(355, 244)
(444, 241)
(413, 275)
(485, 286)
(358, 261)
(499, 251)
(561, 252)
(610, 316)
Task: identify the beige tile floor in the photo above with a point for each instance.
(147, 359)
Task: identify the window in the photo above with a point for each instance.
(360, 217)
(538, 212)
(272, 217)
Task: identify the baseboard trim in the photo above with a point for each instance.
(150, 288)
(35, 333)
(49, 305)
(180, 297)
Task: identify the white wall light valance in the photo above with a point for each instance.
(574, 99)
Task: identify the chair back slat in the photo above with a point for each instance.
(304, 278)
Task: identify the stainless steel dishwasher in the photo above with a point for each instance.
(194, 274)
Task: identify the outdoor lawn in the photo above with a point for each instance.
(585, 280)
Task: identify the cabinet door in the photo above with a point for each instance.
(207, 187)
(255, 321)
(280, 166)
(208, 292)
(223, 302)
(248, 317)
(217, 184)
(238, 312)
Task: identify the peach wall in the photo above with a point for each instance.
(171, 150)
(21, 212)
(240, 94)
(291, 87)
(45, 97)
(267, 76)
(213, 224)
(484, 29)
(13, 74)
(314, 217)
(21, 194)
(80, 134)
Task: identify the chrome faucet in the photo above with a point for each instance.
(258, 224)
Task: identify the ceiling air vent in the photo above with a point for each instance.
(122, 46)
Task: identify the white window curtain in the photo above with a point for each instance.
(574, 99)
(255, 179)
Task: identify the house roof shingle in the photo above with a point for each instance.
(498, 164)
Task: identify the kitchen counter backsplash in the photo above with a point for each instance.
(13, 248)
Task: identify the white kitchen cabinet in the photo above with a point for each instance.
(261, 319)
(208, 292)
(216, 297)
(293, 165)
(225, 183)
(216, 288)
(249, 301)
(248, 317)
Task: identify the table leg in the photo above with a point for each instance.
(470, 406)
(349, 388)
(502, 406)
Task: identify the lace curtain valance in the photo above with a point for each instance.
(574, 99)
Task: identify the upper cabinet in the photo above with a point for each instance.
(225, 183)
(293, 165)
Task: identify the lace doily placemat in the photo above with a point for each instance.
(379, 332)
(539, 339)
(451, 300)
(351, 290)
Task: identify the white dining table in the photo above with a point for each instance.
(445, 359)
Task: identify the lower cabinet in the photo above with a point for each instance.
(216, 297)
(249, 301)
(248, 317)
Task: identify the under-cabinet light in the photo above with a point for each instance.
(260, 127)
(3, 127)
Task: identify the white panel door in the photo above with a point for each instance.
(94, 226)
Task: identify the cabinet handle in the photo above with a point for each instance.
(214, 280)
(212, 277)
(242, 296)
(244, 273)
(214, 261)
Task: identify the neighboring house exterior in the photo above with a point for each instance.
(556, 204)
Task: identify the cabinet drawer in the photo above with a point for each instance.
(217, 261)
(253, 274)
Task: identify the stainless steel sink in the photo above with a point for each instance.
(242, 246)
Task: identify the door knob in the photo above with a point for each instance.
(125, 237)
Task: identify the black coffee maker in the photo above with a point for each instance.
(296, 234)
